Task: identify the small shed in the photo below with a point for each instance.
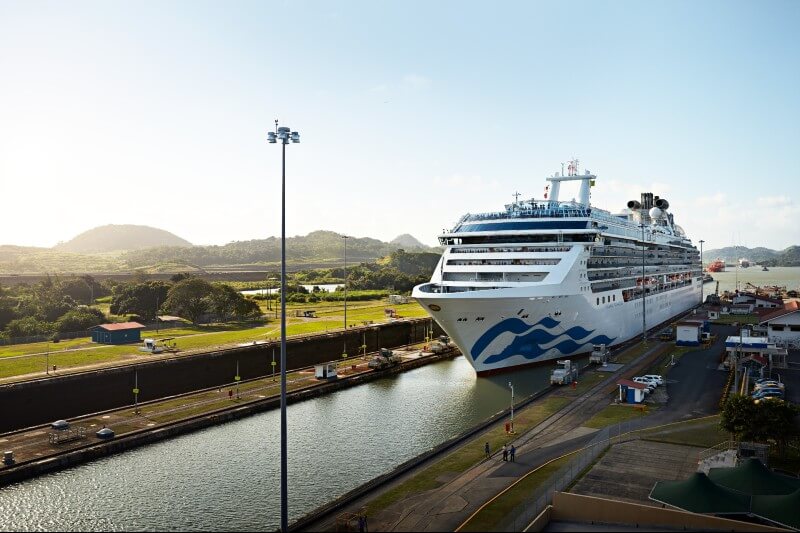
(688, 333)
(630, 391)
(325, 371)
(713, 312)
(119, 333)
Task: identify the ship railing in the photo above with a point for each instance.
(534, 209)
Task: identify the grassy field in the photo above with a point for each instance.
(703, 433)
(82, 352)
(614, 414)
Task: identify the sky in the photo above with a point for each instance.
(411, 114)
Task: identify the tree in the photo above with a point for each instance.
(223, 300)
(767, 420)
(189, 299)
(246, 308)
(28, 327)
(776, 420)
(79, 319)
(76, 288)
(737, 415)
(143, 299)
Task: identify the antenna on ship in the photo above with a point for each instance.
(516, 196)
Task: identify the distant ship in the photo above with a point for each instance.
(546, 279)
(718, 265)
(744, 263)
(764, 269)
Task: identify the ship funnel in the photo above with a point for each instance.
(662, 204)
(633, 204)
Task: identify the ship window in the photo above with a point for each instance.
(598, 301)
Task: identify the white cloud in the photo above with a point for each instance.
(773, 201)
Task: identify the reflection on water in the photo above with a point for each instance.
(226, 477)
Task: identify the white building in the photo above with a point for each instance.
(783, 325)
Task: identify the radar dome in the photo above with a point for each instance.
(656, 213)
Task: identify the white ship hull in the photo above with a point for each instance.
(556, 327)
(544, 280)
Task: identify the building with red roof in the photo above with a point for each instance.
(783, 325)
(117, 333)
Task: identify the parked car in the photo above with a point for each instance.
(770, 384)
(655, 377)
(646, 380)
(650, 384)
(763, 393)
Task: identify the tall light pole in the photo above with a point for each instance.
(702, 278)
(284, 135)
(644, 292)
(512, 406)
(344, 238)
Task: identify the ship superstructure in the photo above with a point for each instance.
(547, 279)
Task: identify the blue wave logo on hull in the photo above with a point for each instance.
(529, 340)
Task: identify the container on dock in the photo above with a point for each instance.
(325, 371)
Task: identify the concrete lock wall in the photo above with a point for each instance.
(45, 400)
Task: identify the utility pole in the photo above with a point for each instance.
(512, 406)
(644, 293)
(702, 281)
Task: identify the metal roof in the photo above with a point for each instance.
(631, 384)
(788, 309)
(118, 326)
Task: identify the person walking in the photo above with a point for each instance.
(512, 453)
(486, 450)
(505, 453)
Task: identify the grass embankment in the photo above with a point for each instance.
(467, 455)
(614, 414)
(633, 352)
(703, 433)
(82, 352)
(471, 453)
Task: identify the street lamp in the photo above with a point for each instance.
(512, 406)
(644, 293)
(284, 135)
(344, 238)
(702, 280)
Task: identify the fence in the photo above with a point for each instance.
(524, 513)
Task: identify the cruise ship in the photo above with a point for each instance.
(547, 279)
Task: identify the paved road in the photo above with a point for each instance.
(695, 384)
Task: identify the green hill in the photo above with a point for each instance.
(113, 238)
(762, 256)
(318, 247)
